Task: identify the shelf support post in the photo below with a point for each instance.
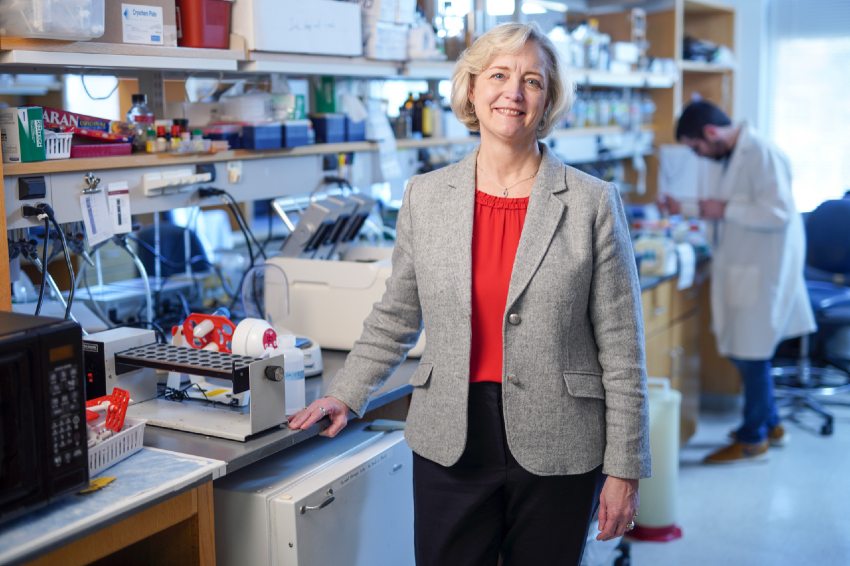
(152, 83)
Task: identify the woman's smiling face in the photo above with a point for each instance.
(510, 94)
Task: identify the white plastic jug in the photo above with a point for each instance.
(656, 519)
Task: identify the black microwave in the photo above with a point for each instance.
(43, 445)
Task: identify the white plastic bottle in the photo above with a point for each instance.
(293, 365)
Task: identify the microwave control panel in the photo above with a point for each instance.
(67, 434)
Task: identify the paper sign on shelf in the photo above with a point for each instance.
(378, 128)
(96, 217)
(687, 265)
(142, 24)
(119, 207)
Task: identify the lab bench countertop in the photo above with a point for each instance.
(237, 454)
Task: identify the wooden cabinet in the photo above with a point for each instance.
(672, 320)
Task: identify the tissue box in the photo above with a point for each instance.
(22, 135)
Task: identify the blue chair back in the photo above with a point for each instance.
(828, 237)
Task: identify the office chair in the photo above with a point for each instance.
(172, 249)
(827, 262)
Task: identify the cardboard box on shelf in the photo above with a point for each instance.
(385, 41)
(89, 126)
(140, 22)
(22, 135)
(320, 27)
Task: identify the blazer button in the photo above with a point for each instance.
(514, 319)
(512, 378)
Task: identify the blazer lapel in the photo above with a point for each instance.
(460, 218)
(545, 211)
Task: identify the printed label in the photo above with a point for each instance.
(142, 24)
(96, 217)
(291, 375)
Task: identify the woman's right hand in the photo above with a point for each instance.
(333, 408)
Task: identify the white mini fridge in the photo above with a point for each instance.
(346, 500)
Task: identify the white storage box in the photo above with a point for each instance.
(114, 449)
(48, 19)
(379, 11)
(321, 27)
(329, 300)
(341, 501)
(385, 41)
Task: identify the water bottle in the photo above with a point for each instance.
(293, 365)
(142, 118)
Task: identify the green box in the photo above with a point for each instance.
(22, 134)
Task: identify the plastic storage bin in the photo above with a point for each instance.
(113, 450)
(355, 131)
(265, 136)
(203, 23)
(330, 128)
(296, 133)
(80, 20)
(57, 145)
(101, 150)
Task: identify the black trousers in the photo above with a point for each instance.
(487, 504)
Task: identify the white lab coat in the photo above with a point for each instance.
(758, 294)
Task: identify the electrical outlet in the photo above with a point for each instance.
(234, 172)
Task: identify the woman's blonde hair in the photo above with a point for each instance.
(511, 38)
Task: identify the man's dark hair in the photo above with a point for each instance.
(698, 115)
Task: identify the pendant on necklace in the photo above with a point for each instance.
(505, 193)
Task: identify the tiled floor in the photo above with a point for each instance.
(793, 510)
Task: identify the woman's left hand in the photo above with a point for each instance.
(618, 506)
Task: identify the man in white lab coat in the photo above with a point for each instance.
(758, 294)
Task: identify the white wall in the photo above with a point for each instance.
(751, 52)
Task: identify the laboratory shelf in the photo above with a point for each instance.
(295, 64)
(167, 160)
(443, 70)
(702, 67)
(36, 54)
(706, 7)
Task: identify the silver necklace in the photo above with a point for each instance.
(505, 189)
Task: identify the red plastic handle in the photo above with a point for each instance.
(221, 334)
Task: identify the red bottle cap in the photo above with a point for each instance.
(160, 131)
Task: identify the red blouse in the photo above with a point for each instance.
(496, 229)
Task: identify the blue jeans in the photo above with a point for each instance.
(759, 403)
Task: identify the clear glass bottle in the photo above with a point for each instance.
(580, 111)
(142, 117)
(603, 110)
(592, 119)
(647, 109)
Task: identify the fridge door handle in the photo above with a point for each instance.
(322, 505)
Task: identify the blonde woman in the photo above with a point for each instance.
(529, 409)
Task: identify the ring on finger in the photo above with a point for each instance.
(630, 526)
(324, 413)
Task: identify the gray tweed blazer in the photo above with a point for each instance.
(574, 372)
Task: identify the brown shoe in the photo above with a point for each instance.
(738, 452)
(777, 436)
